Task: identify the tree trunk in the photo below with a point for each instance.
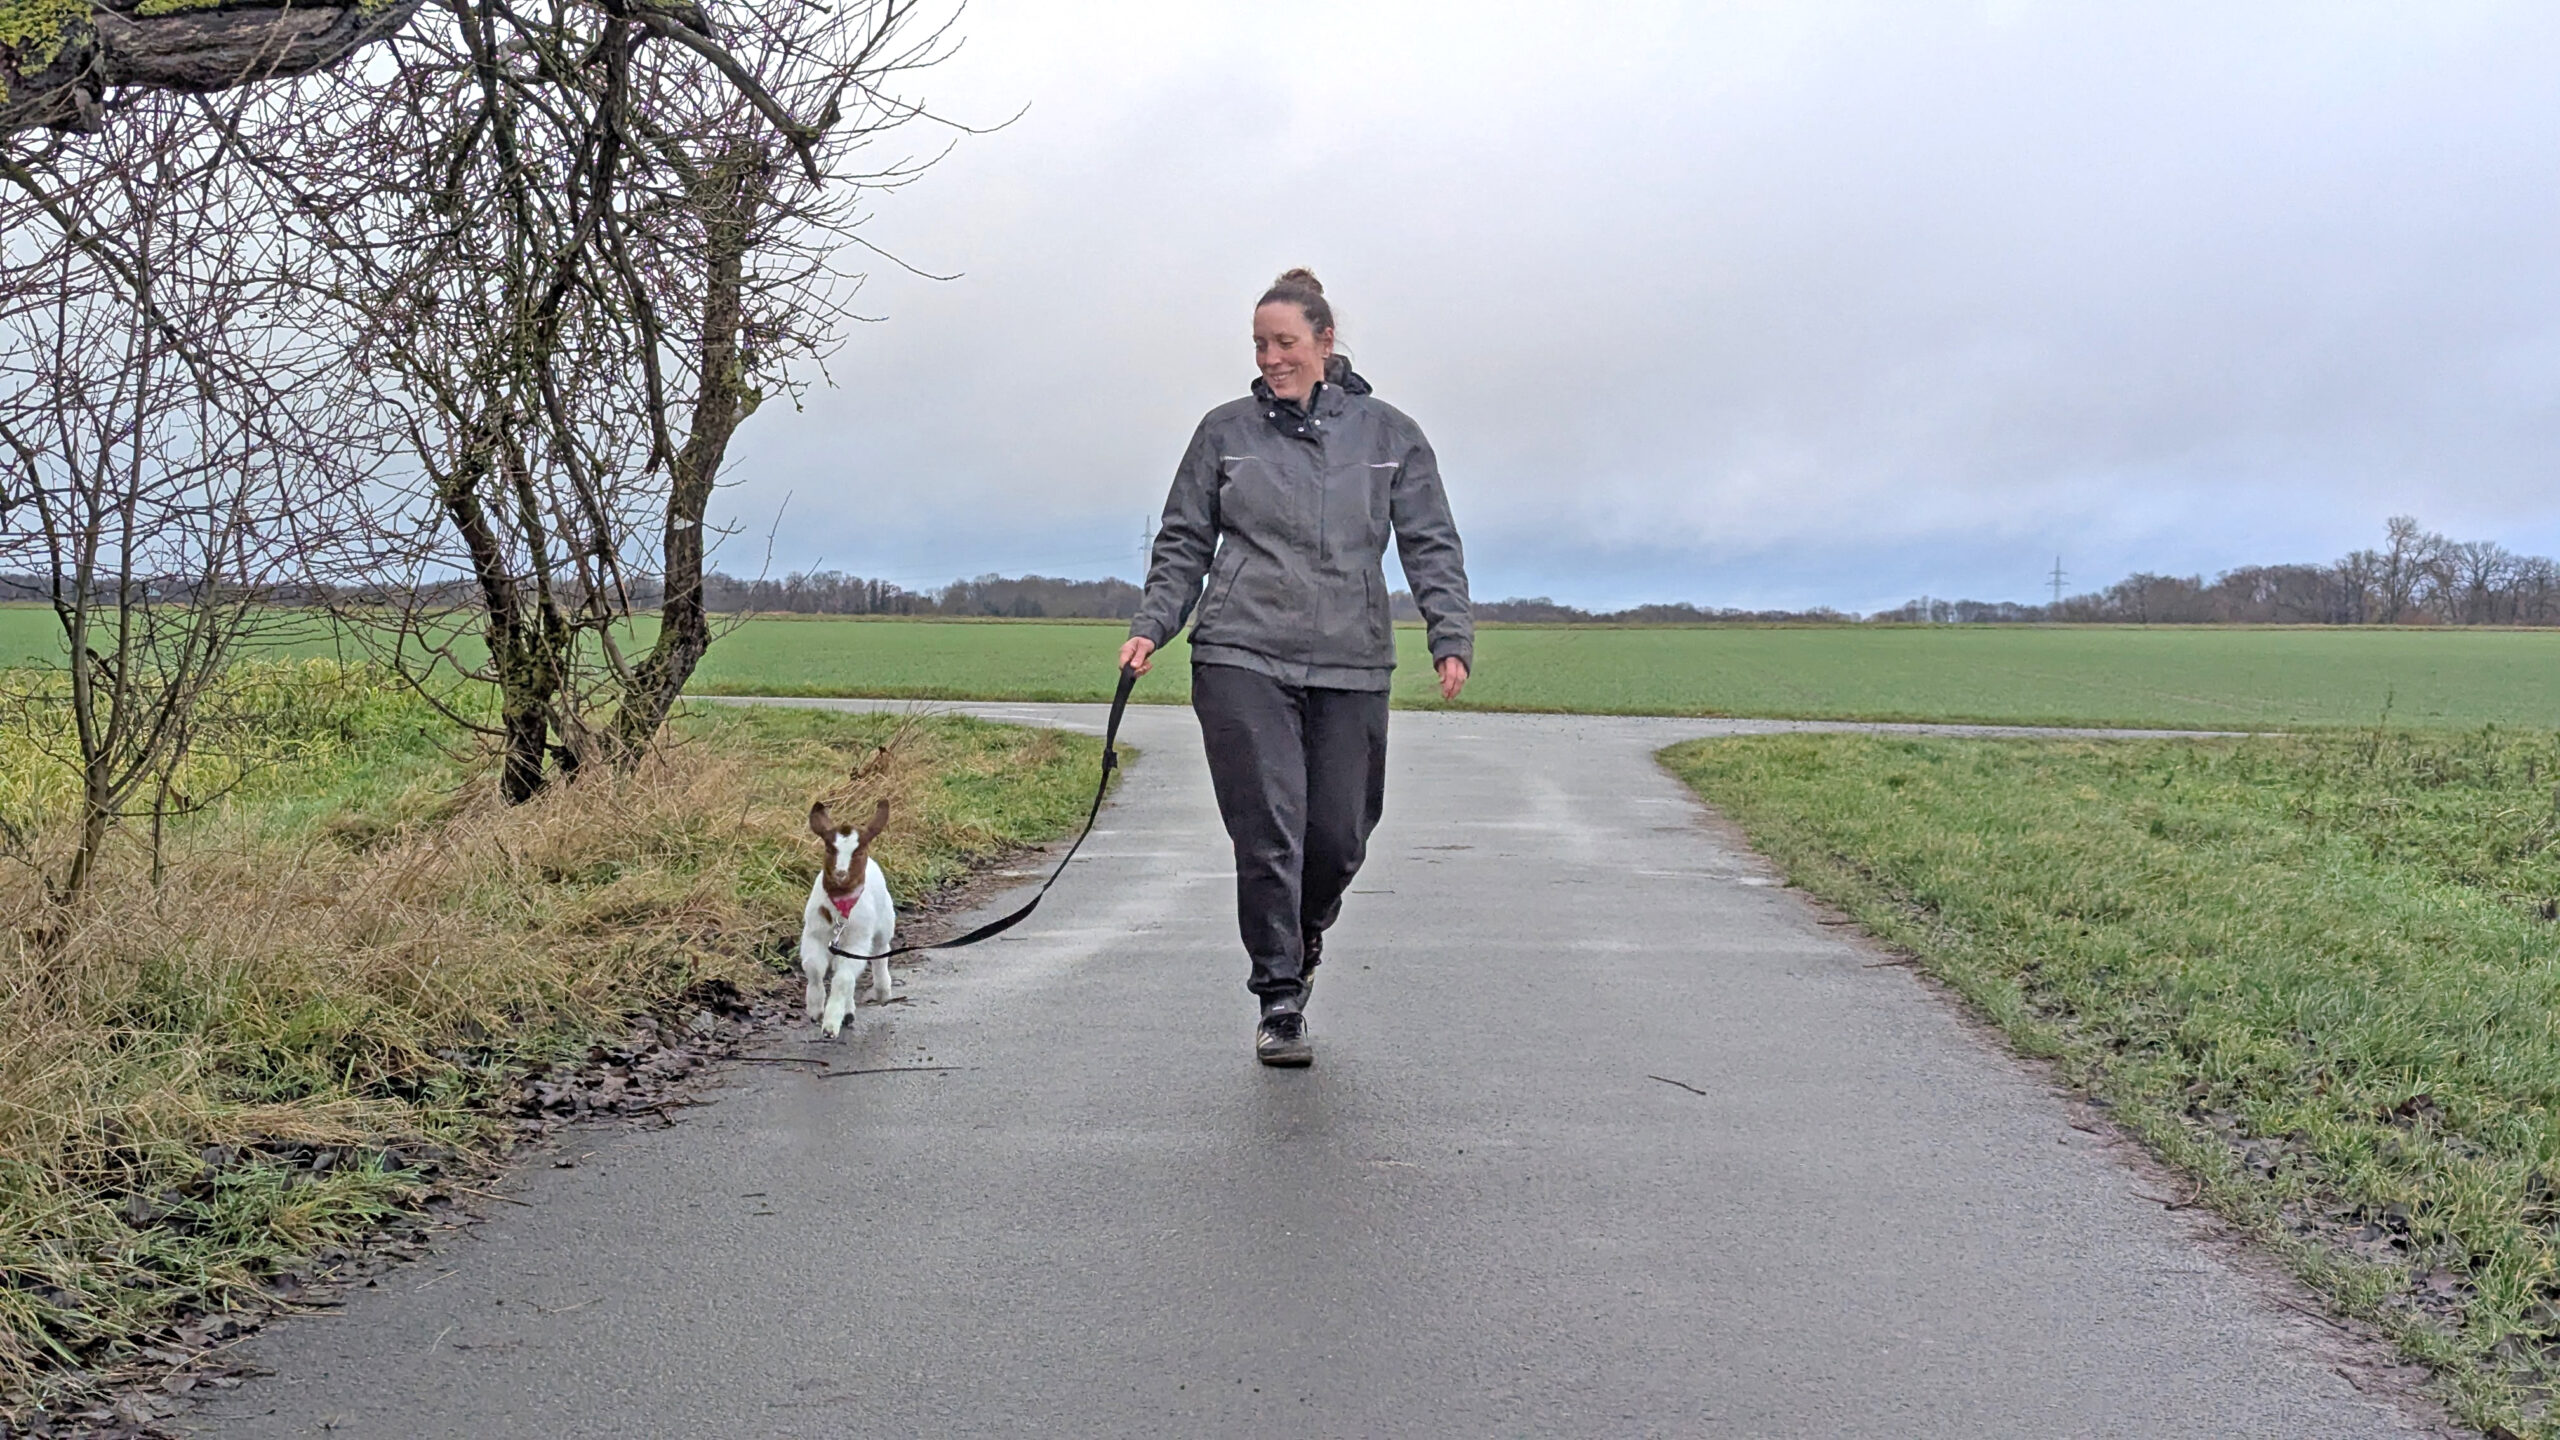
(525, 638)
(527, 726)
(95, 813)
(729, 193)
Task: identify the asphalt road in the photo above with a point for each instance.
(1476, 1215)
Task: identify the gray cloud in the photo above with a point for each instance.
(1734, 304)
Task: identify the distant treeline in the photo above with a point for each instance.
(825, 592)
(832, 592)
(2417, 577)
(829, 592)
(1543, 611)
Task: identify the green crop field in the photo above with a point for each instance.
(2216, 678)
(2112, 675)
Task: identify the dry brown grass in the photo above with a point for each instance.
(367, 967)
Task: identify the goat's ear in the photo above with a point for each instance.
(820, 824)
(879, 822)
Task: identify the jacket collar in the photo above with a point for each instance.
(1332, 396)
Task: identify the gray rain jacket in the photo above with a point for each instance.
(1285, 514)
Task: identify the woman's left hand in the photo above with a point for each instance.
(1453, 676)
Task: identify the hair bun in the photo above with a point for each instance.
(1299, 278)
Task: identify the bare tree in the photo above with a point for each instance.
(2473, 576)
(2401, 569)
(2533, 588)
(165, 425)
(576, 247)
(2356, 585)
(757, 225)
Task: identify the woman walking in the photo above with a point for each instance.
(1271, 547)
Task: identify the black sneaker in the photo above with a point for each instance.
(1281, 1039)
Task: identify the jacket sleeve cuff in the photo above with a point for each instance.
(1459, 650)
(1145, 629)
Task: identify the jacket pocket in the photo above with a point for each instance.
(1382, 626)
(1222, 580)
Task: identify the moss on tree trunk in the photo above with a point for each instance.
(59, 57)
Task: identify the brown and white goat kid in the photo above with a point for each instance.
(849, 908)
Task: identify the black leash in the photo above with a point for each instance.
(1110, 762)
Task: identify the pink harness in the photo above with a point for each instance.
(844, 903)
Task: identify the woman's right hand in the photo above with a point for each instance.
(1135, 654)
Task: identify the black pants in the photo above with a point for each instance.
(1301, 776)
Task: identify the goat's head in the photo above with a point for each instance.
(848, 853)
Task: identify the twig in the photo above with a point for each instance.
(2194, 1195)
(779, 1060)
(2331, 1321)
(887, 1070)
(1887, 964)
(491, 1195)
(1683, 1084)
(209, 1351)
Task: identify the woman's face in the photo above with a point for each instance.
(1290, 352)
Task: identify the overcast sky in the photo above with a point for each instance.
(1740, 304)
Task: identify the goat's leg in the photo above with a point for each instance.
(813, 964)
(880, 979)
(840, 998)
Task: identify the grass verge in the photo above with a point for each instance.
(361, 950)
(2318, 974)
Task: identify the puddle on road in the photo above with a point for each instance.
(1734, 877)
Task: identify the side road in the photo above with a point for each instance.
(1607, 1135)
